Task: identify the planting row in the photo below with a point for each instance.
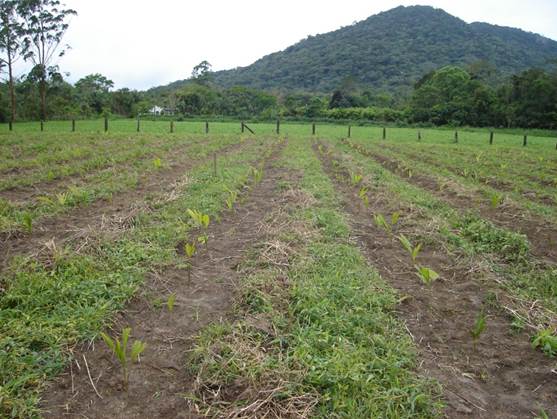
(534, 182)
(509, 254)
(67, 294)
(314, 331)
(526, 218)
(22, 215)
(43, 171)
(486, 346)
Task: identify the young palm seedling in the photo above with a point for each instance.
(356, 179)
(257, 174)
(200, 219)
(171, 302)
(27, 221)
(62, 198)
(189, 249)
(479, 327)
(120, 349)
(496, 200)
(363, 196)
(231, 199)
(427, 275)
(395, 216)
(410, 248)
(380, 222)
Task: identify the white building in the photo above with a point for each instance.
(156, 110)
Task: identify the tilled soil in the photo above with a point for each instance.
(541, 233)
(500, 184)
(500, 376)
(120, 209)
(159, 383)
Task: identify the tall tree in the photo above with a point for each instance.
(11, 42)
(45, 23)
(201, 73)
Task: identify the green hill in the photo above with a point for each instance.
(391, 51)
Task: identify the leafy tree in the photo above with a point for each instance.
(11, 38)
(125, 102)
(533, 99)
(245, 103)
(451, 96)
(93, 91)
(45, 23)
(197, 99)
(201, 73)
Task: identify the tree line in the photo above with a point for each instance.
(448, 96)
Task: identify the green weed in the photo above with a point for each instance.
(546, 340)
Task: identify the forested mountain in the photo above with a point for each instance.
(390, 51)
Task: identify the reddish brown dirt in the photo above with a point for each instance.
(121, 209)
(541, 233)
(499, 377)
(160, 381)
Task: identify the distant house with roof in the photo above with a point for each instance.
(159, 111)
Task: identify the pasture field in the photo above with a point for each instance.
(276, 275)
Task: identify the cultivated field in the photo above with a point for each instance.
(276, 275)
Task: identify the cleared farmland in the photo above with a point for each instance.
(286, 274)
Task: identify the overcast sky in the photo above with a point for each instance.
(145, 43)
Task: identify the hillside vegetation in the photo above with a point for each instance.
(391, 51)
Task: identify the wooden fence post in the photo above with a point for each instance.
(138, 123)
(384, 133)
(278, 126)
(42, 125)
(10, 124)
(419, 136)
(243, 127)
(206, 127)
(456, 137)
(349, 131)
(525, 141)
(106, 124)
(491, 138)
(313, 129)
(172, 127)
(73, 125)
